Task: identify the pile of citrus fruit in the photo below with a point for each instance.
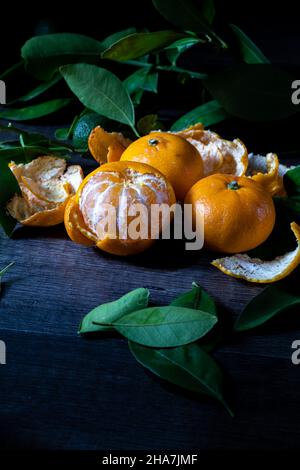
(232, 189)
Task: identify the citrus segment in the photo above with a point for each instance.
(102, 210)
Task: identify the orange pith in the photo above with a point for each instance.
(172, 155)
(238, 213)
(116, 185)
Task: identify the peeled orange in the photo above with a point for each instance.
(101, 212)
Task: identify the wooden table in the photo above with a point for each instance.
(60, 391)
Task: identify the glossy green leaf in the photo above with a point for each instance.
(209, 113)
(178, 47)
(101, 91)
(196, 298)
(62, 133)
(199, 299)
(165, 327)
(208, 10)
(43, 55)
(35, 111)
(254, 92)
(188, 367)
(291, 181)
(149, 123)
(37, 91)
(136, 80)
(11, 70)
(273, 300)
(180, 70)
(107, 313)
(250, 53)
(115, 37)
(138, 44)
(186, 15)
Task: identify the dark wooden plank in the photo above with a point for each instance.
(65, 393)
(60, 391)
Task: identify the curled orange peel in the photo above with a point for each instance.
(256, 270)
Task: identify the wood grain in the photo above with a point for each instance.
(59, 391)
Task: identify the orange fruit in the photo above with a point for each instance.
(117, 187)
(174, 156)
(239, 214)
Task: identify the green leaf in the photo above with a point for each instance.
(165, 327)
(136, 80)
(134, 300)
(196, 298)
(43, 55)
(199, 299)
(115, 37)
(250, 53)
(186, 15)
(291, 181)
(208, 10)
(35, 111)
(271, 301)
(62, 133)
(208, 114)
(151, 82)
(138, 44)
(188, 367)
(101, 91)
(9, 187)
(140, 81)
(178, 47)
(149, 123)
(254, 92)
(37, 91)
(180, 70)
(12, 69)
(4, 270)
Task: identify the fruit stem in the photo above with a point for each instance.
(233, 185)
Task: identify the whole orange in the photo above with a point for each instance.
(174, 156)
(103, 209)
(239, 213)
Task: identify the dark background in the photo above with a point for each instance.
(59, 391)
(273, 26)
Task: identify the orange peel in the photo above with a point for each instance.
(256, 270)
(268, 172)
(106, 146)
(218, 155)
(46, 184)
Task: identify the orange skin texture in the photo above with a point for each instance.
(173, 156)
(78, 230)
(106, 146)
(235, 220)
